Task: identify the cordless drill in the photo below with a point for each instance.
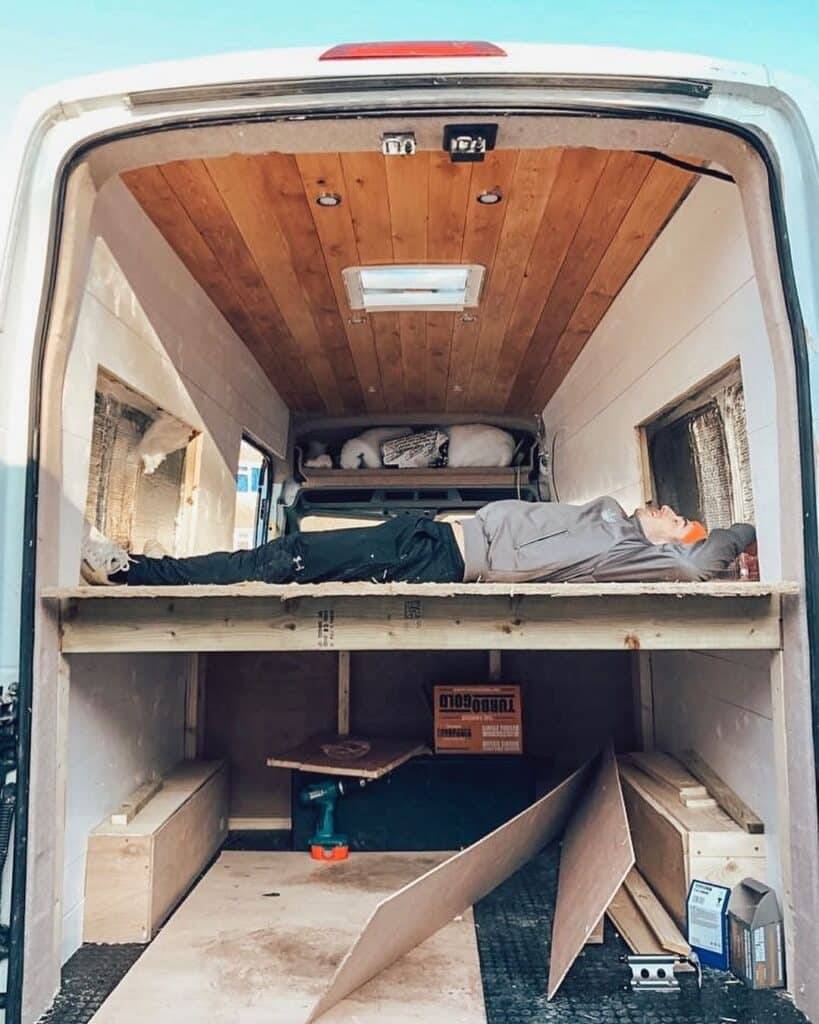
(326, 843)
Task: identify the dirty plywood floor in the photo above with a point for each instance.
(261, 935)
(513, 925)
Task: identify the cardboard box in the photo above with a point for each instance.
(706, 912)
(478, 720)
(757, 939)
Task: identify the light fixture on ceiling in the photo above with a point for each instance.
(328, 199)
(490, 197)
(413, 287)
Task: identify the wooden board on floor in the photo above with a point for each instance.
(383, 756)
(420, 909)
(655, 914)
(257, 940)
(597, 935)
(632, 927)
(595, 858)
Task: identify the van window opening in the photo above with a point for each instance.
(699, 458)
(254, 490)
(138, 476)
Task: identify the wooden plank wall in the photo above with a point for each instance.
(571, 228)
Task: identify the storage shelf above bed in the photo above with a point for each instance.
(441, 477)
(719, 615)
(433, 477)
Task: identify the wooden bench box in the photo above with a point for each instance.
(137, 873)
(675, 844)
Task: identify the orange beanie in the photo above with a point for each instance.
(696, 531)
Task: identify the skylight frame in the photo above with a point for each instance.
(410, 300)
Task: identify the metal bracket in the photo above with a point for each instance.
(654, 972)
(398, 144)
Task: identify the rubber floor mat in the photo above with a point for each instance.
(88, 978)
(514, 924)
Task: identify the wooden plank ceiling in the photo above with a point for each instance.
(572, 226)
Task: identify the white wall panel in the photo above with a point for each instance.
(690, 308)
(145, 320)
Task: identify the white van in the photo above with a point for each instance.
(625, 280)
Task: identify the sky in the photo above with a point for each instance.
(44, 41)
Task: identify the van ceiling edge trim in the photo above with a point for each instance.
(28, 597)
(260, 88)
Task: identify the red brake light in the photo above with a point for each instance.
(376, 51)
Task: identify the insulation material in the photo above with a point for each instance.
(164, 436)
(711, 461)
(732, 407)
(125, 503)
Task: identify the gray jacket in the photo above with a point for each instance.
(514, 541)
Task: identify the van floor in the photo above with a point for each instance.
(512, 923)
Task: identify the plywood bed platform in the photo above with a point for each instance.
(727, 615)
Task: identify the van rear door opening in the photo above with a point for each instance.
(194, 260)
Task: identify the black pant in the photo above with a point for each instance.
(409, 547)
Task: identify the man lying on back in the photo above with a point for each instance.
(505, 541)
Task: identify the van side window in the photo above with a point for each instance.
(137, 473)
(254, 490)
(699, 457)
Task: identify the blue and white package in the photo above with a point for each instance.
(706, 912)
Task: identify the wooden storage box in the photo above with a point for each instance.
(136, 873)
(675, 844)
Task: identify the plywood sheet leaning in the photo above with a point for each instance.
(596, 857)
(347, 755)
(421, 908)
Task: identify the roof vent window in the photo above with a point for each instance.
(421, 287)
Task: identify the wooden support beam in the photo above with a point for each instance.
(194, 706)
(643, 690)
(392, 622)
(344, 693)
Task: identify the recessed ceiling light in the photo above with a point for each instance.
(490, 197)
(328, 199)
